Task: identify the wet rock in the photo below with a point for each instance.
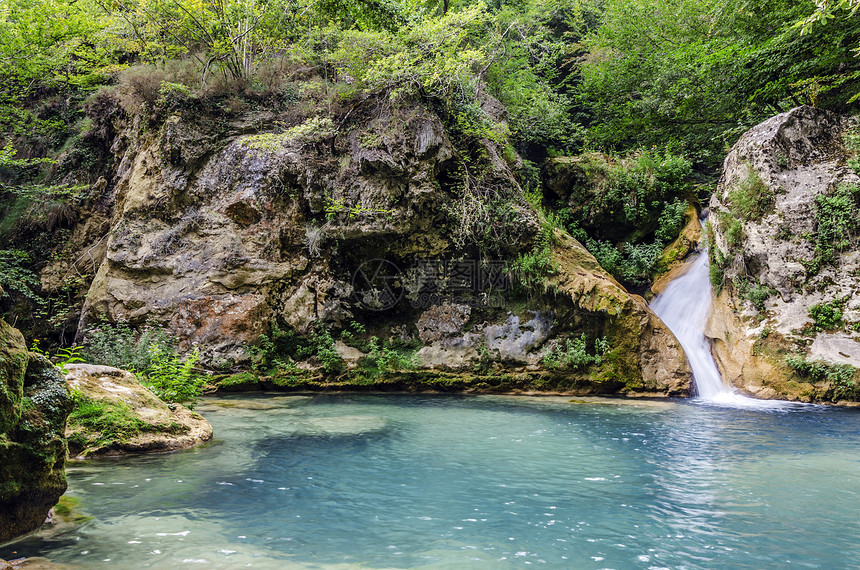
(34, 404)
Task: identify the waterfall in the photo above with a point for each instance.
(684, 306)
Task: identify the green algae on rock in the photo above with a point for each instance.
(34, 404)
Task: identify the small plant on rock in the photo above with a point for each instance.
(573, 355)
(173, 379)
(384, 359)
(840, 376)
(827, 316)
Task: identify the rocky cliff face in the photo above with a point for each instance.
(34, 405)
(785, 252)
(216, 232)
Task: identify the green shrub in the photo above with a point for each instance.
(751, 199)
(839, 375)
(573, 355)
(671, 221)
(629, 210)
(148, 352)
(633, 264)
(758, 295)
(754, 292)
(15, 275)
(607, 255)
(533, 267)
(733, 228)
(171, 95)
(281, 346)
(838, 225)
(119, 345)
(382, 359)
(66, 356)
(827, 316)
(173, 379)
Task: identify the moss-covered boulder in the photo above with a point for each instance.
(116, 415)
(34, 405)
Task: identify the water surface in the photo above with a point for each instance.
(456, 482)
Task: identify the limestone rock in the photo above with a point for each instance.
(214, 233)
(795, 156)
(442, 321)
(34, 404)
(214, 237)
(648, 357)
(512, 341)
(164, 427)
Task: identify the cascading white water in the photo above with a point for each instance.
(684, 306)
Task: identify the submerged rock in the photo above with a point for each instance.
(34, 404)
(117, 415)
(340, 425)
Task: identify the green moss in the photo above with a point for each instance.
(242, 382)
(751, 199)
(69, 510)
(612, 376)
(97, 423)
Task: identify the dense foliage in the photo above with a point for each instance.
(657, 88)
(616, 74)
(149, 352)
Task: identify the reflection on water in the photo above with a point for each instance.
(453, 482)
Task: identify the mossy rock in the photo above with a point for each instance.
(242, 382)
(34, 404)
(116, 415)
